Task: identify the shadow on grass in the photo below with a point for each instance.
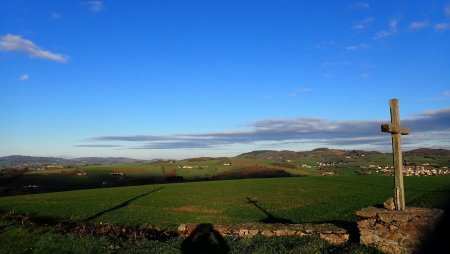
(204, 239)
(121, 205)
(19, 174)
(270, 217)
(350, 226)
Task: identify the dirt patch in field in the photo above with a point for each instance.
(194, 209)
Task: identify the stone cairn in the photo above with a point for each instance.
(394, 231)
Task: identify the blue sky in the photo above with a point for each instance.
(177, 79)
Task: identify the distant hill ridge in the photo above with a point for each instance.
(323, 151)
(21, 160)
(429, 152)
(318, 152)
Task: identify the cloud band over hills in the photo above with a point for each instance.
(430, 128)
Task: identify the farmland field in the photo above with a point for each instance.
(97, 176)
(252, 165)
(294, 199)
(266, 189)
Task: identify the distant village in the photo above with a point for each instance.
(330, 168)
(410, 170)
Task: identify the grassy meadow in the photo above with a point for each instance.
(293, 199)
(202, 197)
(100, 176)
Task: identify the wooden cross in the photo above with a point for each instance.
(396, 131)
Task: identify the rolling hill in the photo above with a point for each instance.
(20, 160)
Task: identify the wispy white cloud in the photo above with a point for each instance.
(431, 99)
(24, 77)
(362, 24)
(364, 75)
(382, 34)
(361, 5)
(304, 90)
(15, 43)
(300, 91)
(324, 44)
(386, 33)
(418, 25)
(447, 10)
(393, 25)
(97, 145)
(333, 63)
(430, 127)
(357, 47)
(444, 112)
(442, 26)
(55, 15)
(444, 95)
(94, 6)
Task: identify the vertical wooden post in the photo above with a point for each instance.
(397, 157)
(396, 131)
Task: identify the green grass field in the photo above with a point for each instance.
(198, 169)
(315, 199)
(297, 199)
(307, 198)
(98, 176)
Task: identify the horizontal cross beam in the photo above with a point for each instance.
(393, 129)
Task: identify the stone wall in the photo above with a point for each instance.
(396, 231)
(328, 232)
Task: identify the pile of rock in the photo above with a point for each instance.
(394, 231)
